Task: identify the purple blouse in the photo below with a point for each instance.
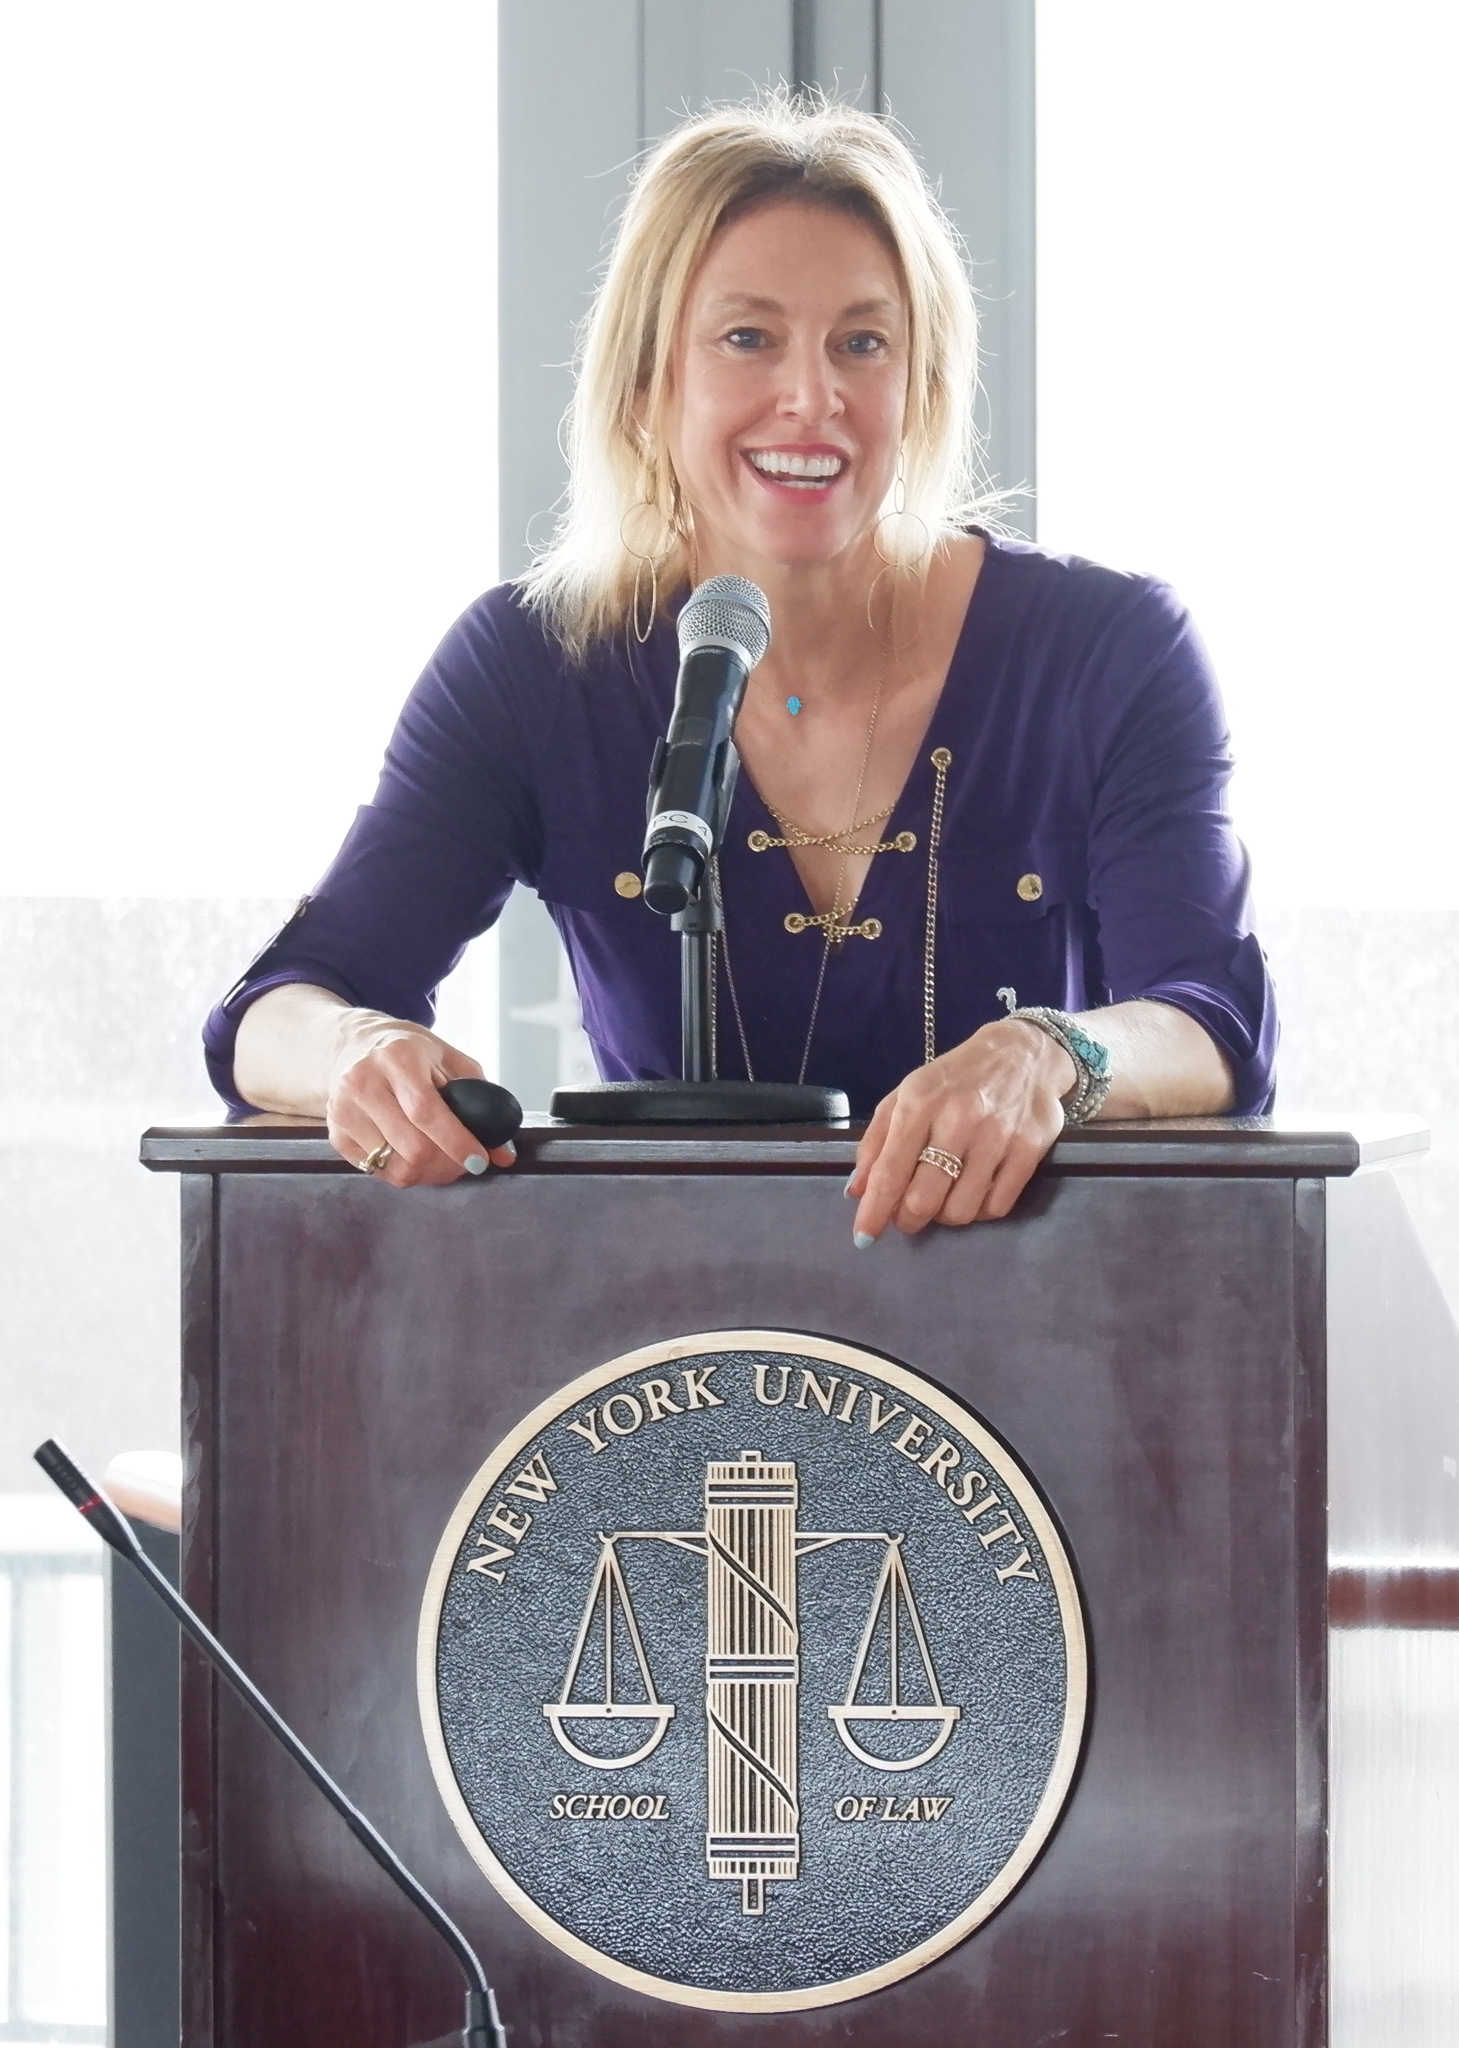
(1086, 855)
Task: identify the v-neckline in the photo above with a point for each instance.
(921, 760)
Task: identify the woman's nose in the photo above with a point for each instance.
(809, 389)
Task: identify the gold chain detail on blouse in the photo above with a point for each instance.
(941, 762)
(836, 842)
(830, 923)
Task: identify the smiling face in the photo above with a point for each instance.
(789, 386)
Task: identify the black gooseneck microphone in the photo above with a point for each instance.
(483, 2027)
(724, 631)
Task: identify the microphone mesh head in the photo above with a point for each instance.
(726, 608)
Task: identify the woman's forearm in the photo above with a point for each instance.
(957, 1141)
(376, 1080)
(1163, 1063)
(293, 1042)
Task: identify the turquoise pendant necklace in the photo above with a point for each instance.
(793, 706)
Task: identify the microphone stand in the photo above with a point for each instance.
(698, 926)
(483, 2027)
(700, 1096)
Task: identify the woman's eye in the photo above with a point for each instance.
(866, 344)
(746, 337)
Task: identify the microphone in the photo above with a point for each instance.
(489, 1111)
(724, 630)
(483, 2027)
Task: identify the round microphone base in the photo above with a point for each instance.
(701, 1102)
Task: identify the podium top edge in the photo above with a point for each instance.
(1283, 1147)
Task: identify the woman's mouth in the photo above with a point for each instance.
(790, 470)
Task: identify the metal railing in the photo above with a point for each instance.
(53, 1964)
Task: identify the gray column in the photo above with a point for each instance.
(958, 76)
(569, 111)
(568, 75)
(838, 47)
(696, 51)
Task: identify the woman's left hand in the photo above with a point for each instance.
(992, 1102)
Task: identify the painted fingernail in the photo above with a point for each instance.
(861, 1240)
(850, 1183)
(509, 1148)
(475, 1164)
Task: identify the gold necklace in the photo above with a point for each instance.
(832, 922)
(941, 761)
(799, 835)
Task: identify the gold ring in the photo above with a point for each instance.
(373, 1161)
(945, 1162)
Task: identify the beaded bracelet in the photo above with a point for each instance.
(1091, 1059)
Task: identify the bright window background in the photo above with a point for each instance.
(1248, 325)
(247, 480)
(250, 258)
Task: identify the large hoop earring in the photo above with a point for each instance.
(641, 631)
(893, 561)
(894, 565)
(899, 512)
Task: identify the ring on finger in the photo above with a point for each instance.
(945, 1162)
(373, 1161)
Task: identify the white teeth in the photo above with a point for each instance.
(780, 462)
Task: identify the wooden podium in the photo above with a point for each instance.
(1151, 1332)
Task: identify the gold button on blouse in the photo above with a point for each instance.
(628, 883)
(1030, 887)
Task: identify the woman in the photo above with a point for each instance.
(978, 779)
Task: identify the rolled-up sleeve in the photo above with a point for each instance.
(1169, 880)
(426, 865)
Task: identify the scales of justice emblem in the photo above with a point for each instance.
(752, 1668)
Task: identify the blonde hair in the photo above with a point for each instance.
(624, 505)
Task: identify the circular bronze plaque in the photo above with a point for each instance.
(752, 1669)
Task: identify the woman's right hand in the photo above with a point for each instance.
(376, 1079)
(387, 1090)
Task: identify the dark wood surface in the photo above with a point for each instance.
(1150, 1342)
(1183, 1145)
(1394, 1596)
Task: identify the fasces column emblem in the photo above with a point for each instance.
(863, 1726)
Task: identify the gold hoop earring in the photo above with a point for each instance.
(899, 488)
(893, 561)
(642, 631)
(875, 585)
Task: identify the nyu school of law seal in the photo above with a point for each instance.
(753, 1670)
